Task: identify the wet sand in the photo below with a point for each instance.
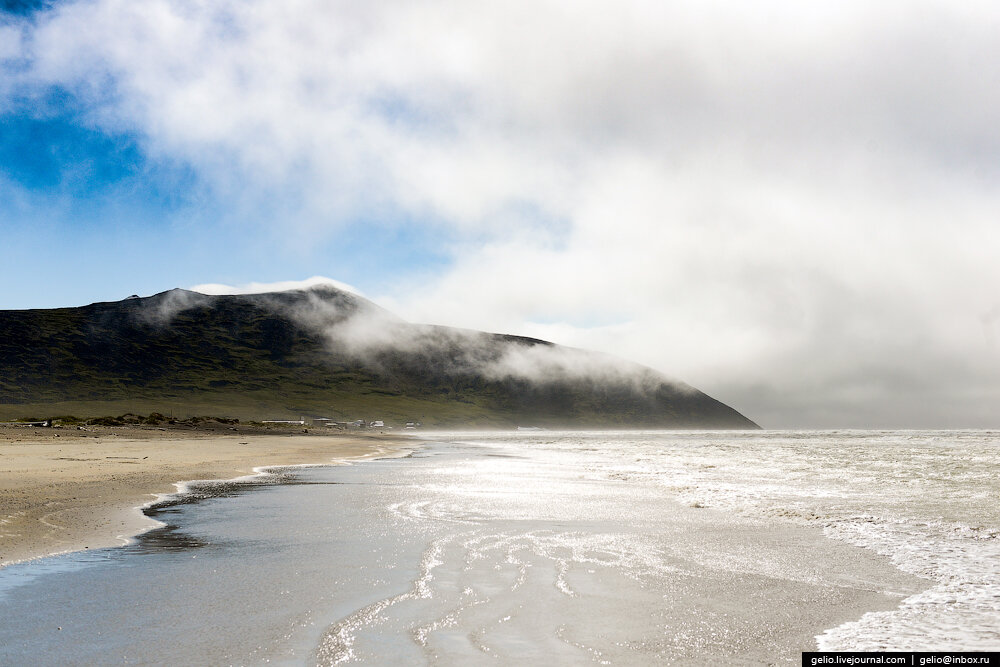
(521, 554)
(69, 489)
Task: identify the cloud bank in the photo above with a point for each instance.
(355, 328)
(283, 286)
(789, 205)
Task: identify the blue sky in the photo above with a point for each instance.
(92, 215)
(789, 205)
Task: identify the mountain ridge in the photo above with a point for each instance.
(321, 351)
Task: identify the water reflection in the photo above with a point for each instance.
(166, 538)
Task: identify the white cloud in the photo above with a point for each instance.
(10, 42)
(282, 286)
(789, 205)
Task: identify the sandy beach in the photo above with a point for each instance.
(69, 489)
(630, 548)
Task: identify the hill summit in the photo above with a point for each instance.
(321, 352)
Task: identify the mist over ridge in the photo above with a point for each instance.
(323, 351)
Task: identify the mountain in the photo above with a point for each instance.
(321, 352)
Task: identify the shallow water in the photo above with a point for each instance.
(569, 548)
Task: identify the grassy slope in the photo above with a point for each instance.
(243, 357)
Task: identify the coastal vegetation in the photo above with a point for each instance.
(319, 353)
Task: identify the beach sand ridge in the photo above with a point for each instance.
(69, 489)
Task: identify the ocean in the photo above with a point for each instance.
(564, 548)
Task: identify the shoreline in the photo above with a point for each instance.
(67, 490)
(845, 582)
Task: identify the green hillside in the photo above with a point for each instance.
(320, 353)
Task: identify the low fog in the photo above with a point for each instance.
(354, 326)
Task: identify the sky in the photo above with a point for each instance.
(791, 206)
